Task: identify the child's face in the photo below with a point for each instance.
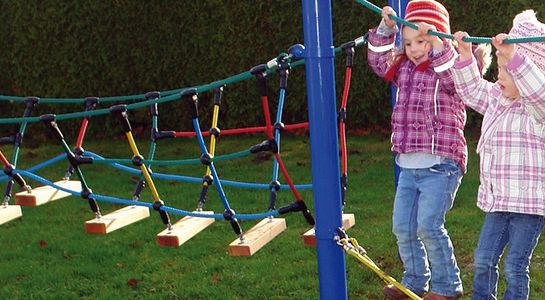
(507, 85)
(416, 47)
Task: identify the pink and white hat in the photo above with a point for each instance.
(428, 11)
(526, 24)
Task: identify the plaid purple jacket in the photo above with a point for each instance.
(512, 143)
(429, 116)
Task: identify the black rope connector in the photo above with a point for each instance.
(8, 170)
(78, 150)
(266, 145)
(138, 160)
(194, 103)
(152, 95)
(90, 104)
(138, 190)
(348, 49)
(164, 215)
(274, 186)
(86, 193)
(121, 112)
(207, 181)
(31, 102)
(279, 126)
(217, 95)
(49, 120)
(260, 73)
(206, 159)
(215, 131)
(159, 135)
(342, 114)
(7, 140)
(283, 71)
(298, 206)
(76, 160)
(228, 215)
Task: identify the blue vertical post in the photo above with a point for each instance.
(320, 77)
(399, 7)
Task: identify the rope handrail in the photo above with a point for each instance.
(479, 40)
(271, 68)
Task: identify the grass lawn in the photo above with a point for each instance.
(47, 254)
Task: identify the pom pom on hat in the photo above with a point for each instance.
(526, 24)
(428, 11)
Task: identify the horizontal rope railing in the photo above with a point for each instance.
(479, 40)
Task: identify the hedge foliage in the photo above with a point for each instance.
(56, 48)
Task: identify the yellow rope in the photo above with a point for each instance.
(351, 246)
(143, 168)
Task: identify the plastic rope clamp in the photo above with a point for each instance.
(194, 103)
(121, 112)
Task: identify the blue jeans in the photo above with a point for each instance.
(422, 200)
(521, 232)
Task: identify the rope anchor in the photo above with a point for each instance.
(352, 247)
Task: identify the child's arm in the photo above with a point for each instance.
(530, 81)
(381, 43)
(528, 78)
(472, 88)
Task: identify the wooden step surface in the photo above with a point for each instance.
(309, 237)
(45, 194)
(9, 212)
(117, 219)
(257, 237)
(183, 230)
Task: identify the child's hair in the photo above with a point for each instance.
(483, 55)
(526, 24)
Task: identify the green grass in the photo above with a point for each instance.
(48, 255)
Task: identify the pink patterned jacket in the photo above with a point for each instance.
(429, 116)
(512, 143)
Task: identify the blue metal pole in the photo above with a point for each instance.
(399, 7)
(320, 77)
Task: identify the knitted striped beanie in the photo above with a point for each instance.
(428, 11)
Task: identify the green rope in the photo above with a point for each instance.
(479, 40)
(182, 162)
(171, 95)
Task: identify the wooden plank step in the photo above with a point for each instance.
(117, 219)
(9, 212)
(45, 194)
(257, 237)
(183, 230)
(309, 237)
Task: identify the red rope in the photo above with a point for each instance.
(244, 130)
(82, 130)
(266, 113)
(4, 159)
(287, 177)
(342, 125)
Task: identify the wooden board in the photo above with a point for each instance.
(46, 194)
(309, 237)
(257, 237)
(117, 219)
(183, 230)
(9, 212)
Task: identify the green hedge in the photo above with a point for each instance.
(81, 48)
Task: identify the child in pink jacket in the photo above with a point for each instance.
(512, 152)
